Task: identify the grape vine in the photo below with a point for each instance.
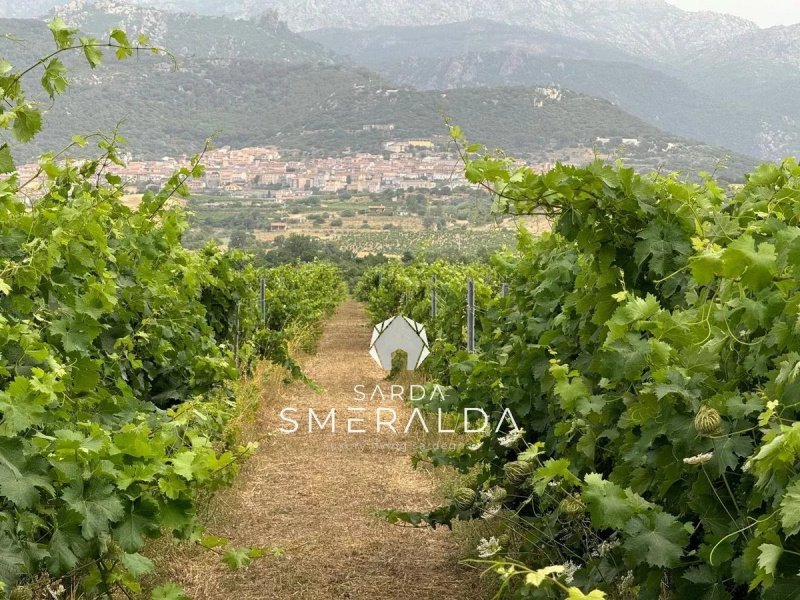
(118, 350)
(648, 350)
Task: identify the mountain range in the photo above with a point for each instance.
(647, 28)
(737, 95)
(543, 89)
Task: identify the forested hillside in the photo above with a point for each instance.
(737, 94)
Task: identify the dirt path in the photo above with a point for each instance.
(315, 495)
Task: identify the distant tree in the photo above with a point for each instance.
(242, 239)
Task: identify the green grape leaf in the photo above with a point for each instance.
(22, 490)
(551, 470)
(538, 577)
(6, 166)
(701, 583)
(790, 509)
(62, 34)
(21, 406)
(134, 440)
(54, 78)
(12, 561)
(141, 520)
(124, 50)
(137, 565)
(62, 558)
(176, 514)
(656, 538)
(182, 463)
(574, 593)
(172, 486)
(27, 122)
(238, 558)
(77, 333)
(609, 505)
(705, 266)
(18, 482)
(784, 588)
(768, 557)
(169, 591)
(96, 504)
(665, 245)
(756, 267)
(93, 54)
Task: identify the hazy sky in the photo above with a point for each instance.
(766, 14)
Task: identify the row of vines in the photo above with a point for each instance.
(649, 349)
(118, 353)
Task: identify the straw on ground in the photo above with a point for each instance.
(315, 495)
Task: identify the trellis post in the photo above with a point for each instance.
(236, 335)
(471, 315)
(263, 285)
(433, 296)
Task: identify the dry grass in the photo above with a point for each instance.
(314, 495)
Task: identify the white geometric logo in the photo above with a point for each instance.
(399, 333)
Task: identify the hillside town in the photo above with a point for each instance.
(263, 172)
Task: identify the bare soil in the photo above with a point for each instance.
(315, 495)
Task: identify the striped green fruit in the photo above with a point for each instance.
(465, 498)
(517, 472)
(707, 421)
(571, 505)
